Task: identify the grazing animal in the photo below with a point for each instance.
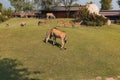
(76, 24)
(64, 23)
(68, 23)
(50, 15)
(43, 21)
(56, 33)
(7, 24)
(22, 24)
(60, 23)
(108, 22)
(40, 22)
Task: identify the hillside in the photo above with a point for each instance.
(90, 52)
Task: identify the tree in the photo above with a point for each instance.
(56, 2)
(118, 2)
(0, 7)
(106, 4)
(90, 19)
(46, 4)
(49, 4)
(4, 13)
(67, 4)
(18, 4)
(28, 6)
(21, 5)
(37, 4)
(76, 4)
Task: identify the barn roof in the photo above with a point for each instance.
(62, 8)
(110, 12)
(76, 8)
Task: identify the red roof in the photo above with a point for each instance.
(110, 12)
(62, 8)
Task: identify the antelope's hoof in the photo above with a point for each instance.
(65, 48)
(44, 41)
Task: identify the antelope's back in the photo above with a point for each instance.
(58, 32)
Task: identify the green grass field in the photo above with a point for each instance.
(90, 52)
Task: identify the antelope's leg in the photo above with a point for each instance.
(53, 17)
(54, 40)
(47, 17)
(47, 39)
(63, 43)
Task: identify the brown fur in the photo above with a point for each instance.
(76, 24)
(56, 33)
(7, 24)
(22, 24)
(40, 22)
(50, 15)
(64, 23)
(43, 22)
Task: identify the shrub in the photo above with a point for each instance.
(117, 21)
(90, 19)
(7, 12)
(3, 18)
(0, 7)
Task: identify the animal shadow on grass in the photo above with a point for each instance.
(12, 69)
(56, 44)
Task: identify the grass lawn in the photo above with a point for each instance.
(90, 52)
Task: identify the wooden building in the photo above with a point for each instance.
(60, 12)
(111, 14)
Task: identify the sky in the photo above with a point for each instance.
(115, 6)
